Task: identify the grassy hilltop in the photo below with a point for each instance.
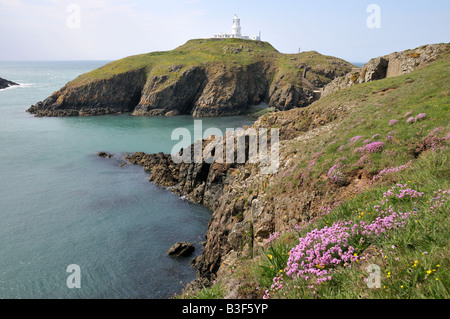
(207, 52)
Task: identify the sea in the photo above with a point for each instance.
(77, 226)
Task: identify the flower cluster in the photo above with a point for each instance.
(364, 160)
(329, 247)
(411, 120)
(374, 147)
(355, 139)
(420, 117)
(393, 122)
(321, 250)
(403, 191)
(433, 141)
(290, 171)
(439, 200)
(391, 170)
(277, 285)
(272, 238)
(381, 225)
(390, 138)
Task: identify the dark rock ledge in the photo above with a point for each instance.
(6, 84)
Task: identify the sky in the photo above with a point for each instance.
(354, 30)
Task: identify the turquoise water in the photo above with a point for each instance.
(60, 204)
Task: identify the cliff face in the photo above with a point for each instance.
(6, 84)
(214, 77)
(118, 94)
(388, 66)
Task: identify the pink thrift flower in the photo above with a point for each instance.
(393, 122)
(355, 139)
(374, 147)
(420, 117)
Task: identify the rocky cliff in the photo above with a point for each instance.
(6, 84)
(390, 65)
(212, 77)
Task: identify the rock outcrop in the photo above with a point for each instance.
(115, 95)
(6, 84)
(203, 78)
(181, 249)
(390, 65)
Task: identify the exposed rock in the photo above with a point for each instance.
(387, 66)
(376, 69)
(172, 113)
(181, 249)
(116, 95)
(104, 155)
(6, 84)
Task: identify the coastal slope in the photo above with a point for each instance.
(203, 78)
(374, 155)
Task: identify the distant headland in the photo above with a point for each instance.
(6, 84)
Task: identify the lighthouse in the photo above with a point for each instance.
(236, 28)
(236, 32)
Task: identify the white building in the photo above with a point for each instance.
(236, 32)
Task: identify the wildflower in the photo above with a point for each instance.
(393, 122)
(420, 117)
(374, 147)
(410, 120)
(429, 272)
(407, 114)
(355, 139)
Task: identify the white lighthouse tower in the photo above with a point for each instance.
(236, 32)
(236, 28)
